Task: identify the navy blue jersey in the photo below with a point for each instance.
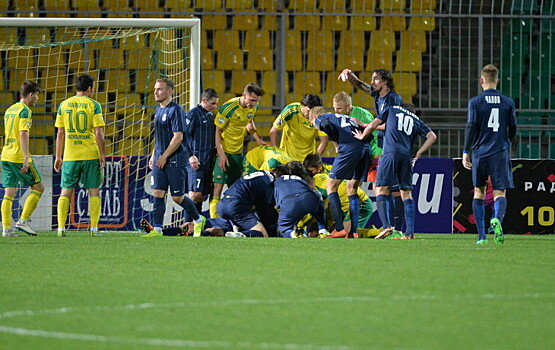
(383, 103)
(253, 188)
(288, 185)
(340, 129)
(491, 113)
(200, 131)
(168, 120)
(401, 129)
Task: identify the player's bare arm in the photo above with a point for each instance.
(354, 80)
(274, 136)
(60, 139)
(24, 145)
(99, 134)
(323, 144)
(431, 138)
(223, 162)
(251, 128)
(367, 130)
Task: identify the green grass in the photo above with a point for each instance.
(125, 292)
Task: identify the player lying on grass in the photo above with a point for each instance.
(216, 227)
(264, 158)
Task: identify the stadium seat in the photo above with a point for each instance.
(207, 59)
(422, 23)
(38, 146)
(87, 5)
(413, 40)
(405, 83)
(131, 147)
(139, 130)
(238, 4)
(144, 81)
(54, 80)
(320, 60)
(43, 126)
(229, 59)
(354, 59)
(269, 22)
(245, 22)
(531, 150)
(363, 6)
(293, 39)
(305, 22)
(379, 59)
(420, 5)
(363, 23)
(336, 23)
(17, 76)
(111, 129)
(240, 78)
(365, 100)
(1, 82)
(133, 42)
(226, 39)
(109, 146)
(76, 60)
(37, 35)
(117, 80)
(528, 120)
(383, 40)
(390, 5)
(269, 82)
(20, 59)
(214, 22)
(116, 5)
(352, 40)
(267, 5)
(260, 60)
(68, 34)
(333, 85)
(408, 61)
(209, 5)
(110, 58)
(302, 6)
(214, 79)
(531, 100)
(308, 82)
(392, 22)
(524, 7)
(257, 40)
(293, 59)
(321, 39)
(50, 57)
(331, 6)
(127, 104)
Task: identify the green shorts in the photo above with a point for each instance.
(233, 171)
(12, 176)
(85, 171)
(366, 211)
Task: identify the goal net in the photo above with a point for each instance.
(125, 57)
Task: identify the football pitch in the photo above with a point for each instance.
(124, 292)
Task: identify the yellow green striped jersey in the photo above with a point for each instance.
(264, 158)
(320, 181)
(79, 116)
(233, 120)
(17, 118)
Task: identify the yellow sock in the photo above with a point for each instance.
(30, 205)
(7, 203)
(94, 210)
(63, 210)
(214, 206)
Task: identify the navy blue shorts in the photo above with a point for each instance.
(240, 213)
(294, 207)
(352, 164)
(224, 224)
(395, 169)
(174, 178)
(200, 180)
(498, 167)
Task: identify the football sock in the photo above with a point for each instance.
(354, 210)
(399, 219)
(198, 205)
(158, 212)
(189, 207)
(63, 210)
(409, 216)
(390, 205)
(335, 209)
(7, 203)
(172, 231)
(94, 209)
(30, 205)
(479, 214)
(214, 206)
(500, 208)
(252, 233)
(383, 211)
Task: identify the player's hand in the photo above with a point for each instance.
(358, 135)
(150, 163)
(262, 143)
(466, 161)
(102, 162)
(360, 122)
(193, 161)
(58, 165)
(161, 162)
(223, 162)
(414, 160)
(25, 166)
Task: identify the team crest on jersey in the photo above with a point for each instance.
(279, 121)
(164, 117)
(250, 116)
(221, 120)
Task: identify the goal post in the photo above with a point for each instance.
(124, 56)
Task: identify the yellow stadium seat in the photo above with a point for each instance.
(229, 59)
(352, 40)
(267, 5)
(354, 59)
(127, 104)
(363, 6)
(390, 5)
(43, 126)
(269, 22)
(214, 22)
(238, 4)
(333, 85)
(383, 40)
(18, 76)
(54, 80)
(245, 22)
(132, 147)
(240, 78)
(420, 5)
(405, 83)
(20, 59)
(77, 59)
(111, 129)
(209, 5)
(1, 82)
(257, 40)
(147, 5)
(38, 146)
(68, 34)
(144, 80)
(305, 22)
(117, 79)
(260, 60)
(116, 5)
(8, 99)
(392, 22)
(133, 42)
(109, 146)
(302, 5)
(139, 130)
(377, 59)
(207, 59)
(293, 58)
(138, 59)
(365, 100)
(216, 80)
(320, 60)
(363, 23)
(110, 58)
(307, 83)
(86, 5)
(50, 57)
(413, 40)
(57, 5)
(338, 23)
(408, 61)
(226, 39)
(269, 82)
(293, 38)
(422, 23)
(56, 98)
(331, 6)
(321, 39)
(37, 35)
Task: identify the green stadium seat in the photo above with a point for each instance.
(522, 25)
(532, 100)
(547, 25)
(529, 119)
(531, 150)
(525, 7)
(510, 85)
(515, 53)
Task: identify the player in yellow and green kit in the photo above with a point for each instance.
(17, 163)
(298, 137)
(81, 140)
(234, 118)
(264, 158)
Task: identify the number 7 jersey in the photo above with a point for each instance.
(79, 116)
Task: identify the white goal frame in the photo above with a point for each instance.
(192, 23)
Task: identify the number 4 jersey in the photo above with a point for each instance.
(491, 113)
(79, 115)
(402, 127)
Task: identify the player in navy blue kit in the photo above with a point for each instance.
(200, 136)
(169, 158)
(490, 128)
(402, 127)
(351, 164)
(295, 198)
(252, 190)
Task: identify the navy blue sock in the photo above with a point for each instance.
(399, 219)
(409, 216)
(354, 210)
(336, 212)
(158, 212)
(252, 233)
(190, 209)
(500, 208)
(479, 216)
(198, 205)
(390, 205)
(383, 213)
